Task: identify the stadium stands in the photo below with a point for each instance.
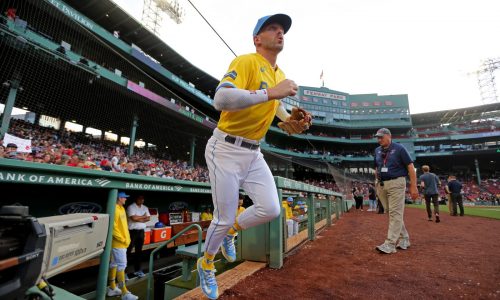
(82, 150)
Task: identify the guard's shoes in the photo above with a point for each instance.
(207, 280)
(228, 249)
(113, 292)
(403, 244)
(437, 219)
(129, 296)
(386, 248)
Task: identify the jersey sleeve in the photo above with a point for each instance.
(238, 74)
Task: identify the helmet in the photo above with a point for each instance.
(159, 225)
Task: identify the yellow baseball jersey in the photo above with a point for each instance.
(121, 236)
(206, 216)
(250, 72)
(288, 209)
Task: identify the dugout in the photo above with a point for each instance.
(48, 189)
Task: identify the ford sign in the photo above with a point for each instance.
(178, 205)
(80, 207)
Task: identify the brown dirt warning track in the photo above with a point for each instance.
(458, 258)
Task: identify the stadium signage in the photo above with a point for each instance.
(79, 207)
(324, 95)
(72, 13)
(164, 188)
(24, 177)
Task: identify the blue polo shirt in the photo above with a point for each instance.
(455, 187)
(396, 160)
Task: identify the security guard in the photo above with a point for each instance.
(392, 164)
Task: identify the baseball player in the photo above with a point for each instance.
(118, 263)
(248, 98)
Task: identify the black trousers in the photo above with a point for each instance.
(359, 202)
(380, 207)
(136, 241)
(457, 199)
(435, 200)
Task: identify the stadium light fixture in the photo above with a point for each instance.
(166, 147)
(74, 121)
(25, 108)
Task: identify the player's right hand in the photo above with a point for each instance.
(284, 89)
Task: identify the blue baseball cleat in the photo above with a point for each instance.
(207, 280)
(228, 249)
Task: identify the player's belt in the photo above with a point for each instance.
(232, 140)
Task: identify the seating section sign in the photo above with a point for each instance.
(175, 218)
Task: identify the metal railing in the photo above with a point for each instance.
(150, 273)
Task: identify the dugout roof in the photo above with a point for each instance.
(112, 17)
(454, 115)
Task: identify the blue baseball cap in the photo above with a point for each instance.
(289, 199)
(122, 195)
(282, 19)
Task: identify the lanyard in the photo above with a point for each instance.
(387, 155)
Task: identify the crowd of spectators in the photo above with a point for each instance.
(81, 150)
(76, 149)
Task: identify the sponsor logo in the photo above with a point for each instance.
(178, 205)
(80, 207)
(102, 181)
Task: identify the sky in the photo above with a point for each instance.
(428, 49)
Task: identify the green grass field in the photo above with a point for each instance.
(479, 211)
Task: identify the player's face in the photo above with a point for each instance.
(122, 200)
(272, 37)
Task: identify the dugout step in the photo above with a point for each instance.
(227, 279)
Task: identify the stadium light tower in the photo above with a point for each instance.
(153, 10)
(486, 80)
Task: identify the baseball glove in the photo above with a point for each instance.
(298, 122)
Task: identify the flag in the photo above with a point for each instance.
(321, 78)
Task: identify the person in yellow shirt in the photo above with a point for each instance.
(248, 97)
(120, 243)
(207, 215)
(291, 221)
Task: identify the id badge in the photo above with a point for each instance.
(384, 170)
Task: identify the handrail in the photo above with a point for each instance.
(150, 273)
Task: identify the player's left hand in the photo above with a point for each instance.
(299, 121)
